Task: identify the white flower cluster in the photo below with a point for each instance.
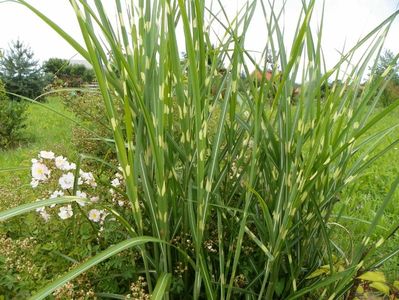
(48, 164)
(117, 182)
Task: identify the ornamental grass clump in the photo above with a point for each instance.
(232, 191)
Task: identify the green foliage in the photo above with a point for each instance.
(55, 66)
(12, 119)
(387, 67)
(71, 75)
(388, 63)
(17, 260)
(20, 72)
(390, 93)
(89, 108)
(247, 207)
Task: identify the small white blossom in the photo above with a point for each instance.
(95, 215)
(119, 175)
(65, 212)
(46, 154)
(56, 194)
(115, 182)
(121, 203)
(34, 183)
(81, 195)
(40, 172)
(45, 215)
(95, 199)
(40, 209)
(66, 181)
(71, 166)
(61, 163)
(88, 178)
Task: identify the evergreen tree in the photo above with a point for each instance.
(388, 63)
(385, 60)
(21, 72)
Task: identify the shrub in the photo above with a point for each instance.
(12, 119)
(71, 75)
(390, 93)
(21, 73)
(89, 108)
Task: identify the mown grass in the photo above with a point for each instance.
(45, 130)
(362, 199)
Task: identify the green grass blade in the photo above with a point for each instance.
(162, 286)
(22, 209)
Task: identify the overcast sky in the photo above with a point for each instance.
(345, 22)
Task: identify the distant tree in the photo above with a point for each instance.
(386, 63)
(386, 60)
(88, 75)
(78, 70)
(72, 75)
(21, 72)
(55, 66)
(12, 119)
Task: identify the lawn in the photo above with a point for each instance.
(45, 130)
(364, 197)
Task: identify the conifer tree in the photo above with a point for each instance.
(21, 72)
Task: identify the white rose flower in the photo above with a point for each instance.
(34, 183)
(115, 182)
(45, 215)
(81, 195)
(40, 172)
(56, 194)
(95, 215)
(61, 163)
(66, 181)
(40, 209)
(88, 178)
(46, 154)
(65, 212)
(70, 166)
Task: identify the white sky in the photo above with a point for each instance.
(345, 22)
